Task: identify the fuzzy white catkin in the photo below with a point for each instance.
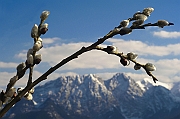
(28, 96)
(137, 67)
(32, 90)
(38, 58)
(150, 67)
(39, 39)
(125, 31)
(44, 15)
(11, 92)
(37, 46)
(162, 23)
(114, 49)
(30, 52)
(148, 11)
(138, 22)
(14, 79)
(141, 16)
(132, 56)
(19, 89)
(30, 60)
(45, 25)
(34, 31)
(124, 23)
(20, 67)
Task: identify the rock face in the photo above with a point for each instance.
(90, 97)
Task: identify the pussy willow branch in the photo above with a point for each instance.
(51, 70)
(119, 54)
(32, 67)
(21, 73)
(100, 41)
(64, 61)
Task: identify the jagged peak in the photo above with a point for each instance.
(121, 78)
(147, 83)
(73, 78)
(91, 93)
(92, 78)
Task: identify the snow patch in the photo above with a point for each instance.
(146, 83)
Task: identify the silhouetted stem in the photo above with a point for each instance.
(52, 69)
(134, 61)
(30, 75)
(64, 61)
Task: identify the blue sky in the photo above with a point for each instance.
(73, 24)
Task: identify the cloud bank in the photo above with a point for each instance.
(100, 60)
(103, 64)
(165, 34)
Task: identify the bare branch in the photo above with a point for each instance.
(121, 55)
(37, 30)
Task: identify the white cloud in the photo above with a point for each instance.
(137, 76)
(5, 77)
(55, 53)
(106, 75)
(22, 55)
(167, 69)
(98, 59)
(8, 65)
(50, 40)
(165, 34)
(93, 59)
(142, 48)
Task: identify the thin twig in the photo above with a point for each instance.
(31, 84)
(134, 61)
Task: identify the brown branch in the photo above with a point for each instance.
(30, 75)
(22, 72)
(31, 84)
(123, 56)
(31, 70)
(52, 69)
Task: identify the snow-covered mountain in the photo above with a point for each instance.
(90, 97)
(176, 89)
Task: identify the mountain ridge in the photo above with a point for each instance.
(88, 96)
